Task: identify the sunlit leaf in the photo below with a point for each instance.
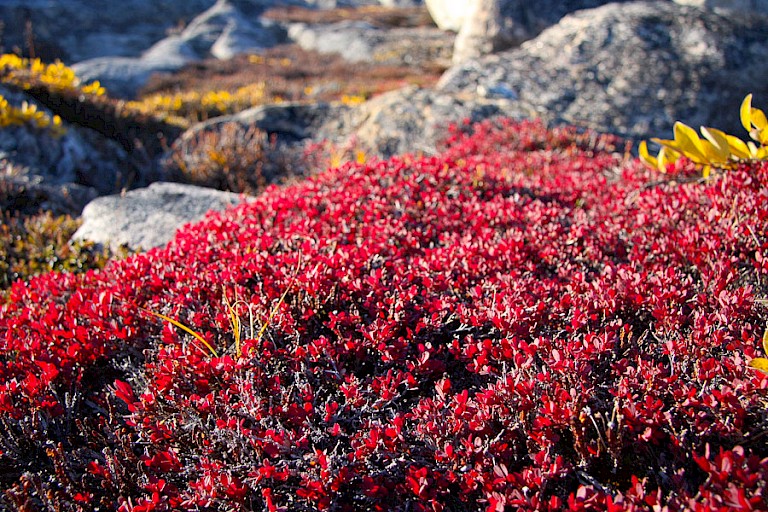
(738, 147)
(719, 141)
(758, 119)
(646, 157)
(746, 113)
(760, 363)
(752, 149)
(762, 137)
(689, 143)
(712, 154)
(765, 341)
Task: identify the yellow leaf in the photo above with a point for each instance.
(752, 149)
(760, 363)
(758, 119)
(667, 156)
(746, 112)
(712, 155)
(719, 141)
(689, 143)
(765, 341)
(645, 156)
(762, 137)
(738, 147)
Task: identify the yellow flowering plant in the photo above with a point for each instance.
(27, 73)
(29, 114)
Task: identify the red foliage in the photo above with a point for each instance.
(526, 322)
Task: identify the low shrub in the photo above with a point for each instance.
(32, 245)
(28, 114)
(376, 15)
(528, 321)
(58, 77)
(282, 73)
(185, 108)
(232, 157)
(57, 87)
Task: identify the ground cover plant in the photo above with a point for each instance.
(34, 241)
(284, 73)
(376, 15)
(531, 320)
(31, 245)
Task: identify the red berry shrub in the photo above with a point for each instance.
(529, 321)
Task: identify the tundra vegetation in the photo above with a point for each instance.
(531, 319)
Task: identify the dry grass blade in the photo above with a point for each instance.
(274, 310)
(234, 319)
(184, 328)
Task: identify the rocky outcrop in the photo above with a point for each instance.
(226, 30)
(222, 31)
(358, 41)
(742, 6)
(149, 217)
(633, 69)
(87, 29)
(400, 3)
(410, 120)
(67, 169)
(489, 26)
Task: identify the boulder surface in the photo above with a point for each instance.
(631, 69)
(149, 217)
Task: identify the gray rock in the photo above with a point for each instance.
(358, 41)
(400, 3)
(225, 30)
(411, 120)
(87, 29)
(494, 25)
(149, 217)
(743, 6)
(333, 4)
(633, 68)
(229, 27)
(80, 156)
(353, 40)
(123, 76)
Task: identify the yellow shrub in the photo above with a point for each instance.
(27, 73)
(717, 150)
(192, 106)
(28, 114)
